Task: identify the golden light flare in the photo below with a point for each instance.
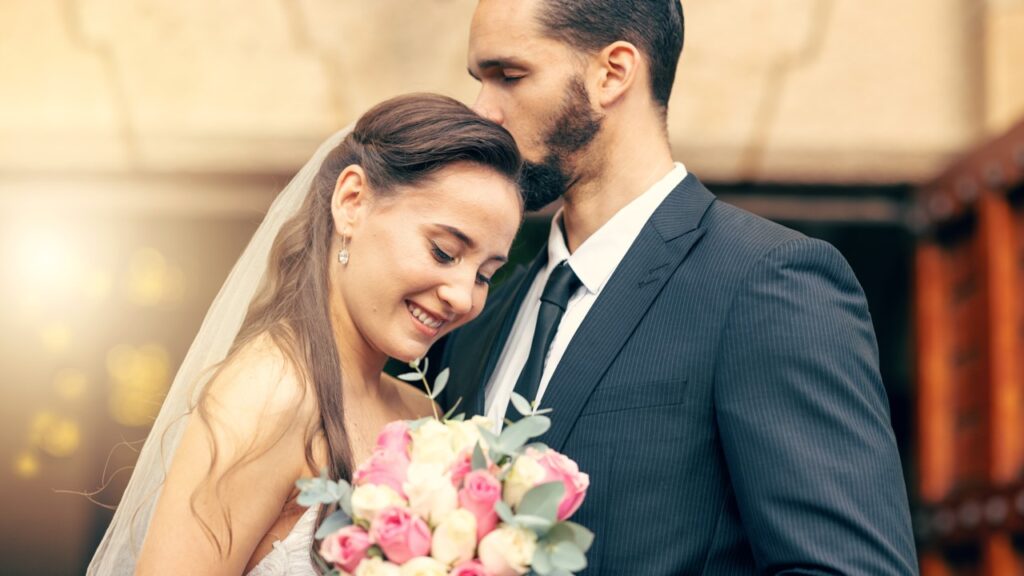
(152, 280)
(70, 384)
(97, 285)
(26, 465)
(55, 337)
(57, 436)
(139, 378)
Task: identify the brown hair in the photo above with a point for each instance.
(399, 142)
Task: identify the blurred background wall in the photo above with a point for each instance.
(141, 141)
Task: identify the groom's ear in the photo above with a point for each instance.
(349, 200)
(618, 66)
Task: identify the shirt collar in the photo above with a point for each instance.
(598, 256)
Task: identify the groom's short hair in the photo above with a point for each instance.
(655, 27)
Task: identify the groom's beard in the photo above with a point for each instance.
(573, 130)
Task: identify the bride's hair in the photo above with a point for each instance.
(399, 142)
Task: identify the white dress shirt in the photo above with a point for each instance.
(593, 262)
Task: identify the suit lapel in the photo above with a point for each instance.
(663, 244)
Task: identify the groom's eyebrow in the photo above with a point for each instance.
(491, 63)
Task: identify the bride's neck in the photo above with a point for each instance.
(360, 369)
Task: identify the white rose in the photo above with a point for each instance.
(524, 474)
(432, 443)
(377, 567)
(465, 435)
(455, 538)
(508, 551)
(424, 566)
(431, 493)
(369, 499)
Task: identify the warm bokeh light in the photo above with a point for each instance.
(152, 280)
(55, 337)
(45, 262)
(139, 378)
(26, 465)
(70, 384)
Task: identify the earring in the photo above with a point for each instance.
(343, 253)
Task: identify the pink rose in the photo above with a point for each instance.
(471, 568)
(478, 495)
(395, 437)
(463, 465)
(346, 548)
(558, 467)
(400, 535)
(384, 468)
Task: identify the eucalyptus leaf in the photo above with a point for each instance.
(415, 425)
(479, 461)
(541, 563)
(460, 417)
(415, 364)
(583, 537)
(522, 404)
(410, 377)
(567, 556)
(439, 383)
(515, 435)
(426, 365)
(543, 411)
(504, 512)
(538, 524)
(345, 497)
(542, 500)
(332, 524)
(448, 414)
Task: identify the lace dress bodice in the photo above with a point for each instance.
(290, 557)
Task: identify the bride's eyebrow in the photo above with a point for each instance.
(465, 239)
(459, 234)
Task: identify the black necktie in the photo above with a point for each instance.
(560, 287)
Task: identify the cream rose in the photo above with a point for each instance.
(432, 444)
(455, 538)
(508, 551)
(423, 566)
(369, 499)
(431, 493)
(377, 567)
(524, 474)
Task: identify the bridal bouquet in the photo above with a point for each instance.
(445, 496)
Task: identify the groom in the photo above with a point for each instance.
(716, 374)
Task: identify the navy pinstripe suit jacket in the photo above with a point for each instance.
(723, 394)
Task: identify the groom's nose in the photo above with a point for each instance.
(486, 107)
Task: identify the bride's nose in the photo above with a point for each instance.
(457, 293)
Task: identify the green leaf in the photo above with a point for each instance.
(581, 536)
(504, 512)
(410, 377)
(522, 404)
(415, 364)
(332, 524)
(345, 496)
(541, 563)
(448, 414)
(567, 556)
(542, 500)
(515, 435)
(426, 366)
(415, 425)
(479, 461)
(439, 383)
(543, 411)
(537, 524)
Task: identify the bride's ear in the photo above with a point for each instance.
(349, 200)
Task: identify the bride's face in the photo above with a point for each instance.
(421, 258)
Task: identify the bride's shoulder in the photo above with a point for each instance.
(414, 402)
(260, 380)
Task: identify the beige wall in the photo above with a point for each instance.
(822, 90)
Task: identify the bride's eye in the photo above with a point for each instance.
(440, 255)
(483, 280)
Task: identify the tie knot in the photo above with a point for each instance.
(561, 285)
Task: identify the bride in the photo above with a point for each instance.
(380, 245)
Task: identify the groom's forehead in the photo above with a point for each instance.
(512, 18)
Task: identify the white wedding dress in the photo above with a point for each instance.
(290, 557)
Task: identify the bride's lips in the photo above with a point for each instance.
(426, 322)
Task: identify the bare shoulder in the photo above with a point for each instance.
(261, 382)
(414, 400)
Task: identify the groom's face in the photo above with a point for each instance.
(536, 88)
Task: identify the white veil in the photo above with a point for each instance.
(119, 549)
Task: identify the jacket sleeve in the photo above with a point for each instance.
(804, 421)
